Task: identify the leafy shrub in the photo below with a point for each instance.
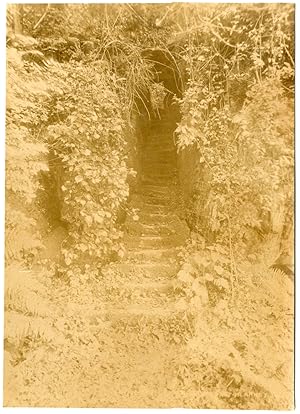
(90, 149)
(237, 111)
(206, 276)
(249, 155)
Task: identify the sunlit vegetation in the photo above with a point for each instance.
(83, 83)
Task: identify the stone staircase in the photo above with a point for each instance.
(139, 291)
(152, 241)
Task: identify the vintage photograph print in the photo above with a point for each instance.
(149, 224)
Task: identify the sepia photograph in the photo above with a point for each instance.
(149, 206)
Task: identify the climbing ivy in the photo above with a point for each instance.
(90, 149)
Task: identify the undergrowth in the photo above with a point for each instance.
(74, 91)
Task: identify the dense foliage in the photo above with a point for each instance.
(235, 65)
(237, 110)
(89, 149)
(80, 78)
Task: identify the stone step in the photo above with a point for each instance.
(160, 159)
(161, 169)
(156, 142)
(151, 199)
(160, 155)
(139, 272)
(149, 157)
(156, 197)
(166, 154)
(159, 135)
(159, 180)
(149, 208)
(136, 228)
(152, 148)
(157, 218)
(158, 149)
(157, 138)
(167, 255)
(153, 225)
(156, 188)
(148, 167)
(157, 242)
(157, 174)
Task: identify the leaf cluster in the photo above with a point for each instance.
(89, 149)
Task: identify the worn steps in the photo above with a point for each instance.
(150, 241)
(161, 200)
(140, 229)
(152, 255)
(159, 169)
(159, 175)
(131, 272)
(137, 228)
(155, 188)
(158, 218)
(137, 293)
(152, 199)
(151, 208)
(159, 180)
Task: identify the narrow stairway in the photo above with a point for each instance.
(148, 330)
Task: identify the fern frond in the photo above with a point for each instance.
(20, 235)
(277, 273)
(24, 293)
(18, 326)
(275, 283)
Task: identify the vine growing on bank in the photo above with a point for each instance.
(88, 144)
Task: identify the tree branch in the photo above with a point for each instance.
(42, 18)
